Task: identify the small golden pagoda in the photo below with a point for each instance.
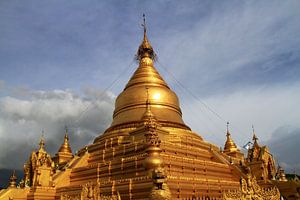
(230, 148)
(13, 180)
(64, 154)
(148, 152)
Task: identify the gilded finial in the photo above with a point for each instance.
(148, 117)
(66, 133)
(145, 49)
(227, 128)
(144, 24)
(42, 141)
(148, 99)
(254, 138)
(148, 112)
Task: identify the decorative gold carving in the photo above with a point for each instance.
(152, 145)
(160, 194)
(250, 190)
(70, 197)
(160, 190)
(261, 161)
(90, 191)
(158, 177)
(112, 197)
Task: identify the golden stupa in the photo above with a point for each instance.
(148, 152)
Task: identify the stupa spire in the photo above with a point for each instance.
(148, 119)
(254, 138)
(65, 147)
(42, 142)
(13, 180)
(145, 49)
(144, 25)
(227, 128)
(148, 113)
(229, 144)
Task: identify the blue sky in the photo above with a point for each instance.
(239, 57)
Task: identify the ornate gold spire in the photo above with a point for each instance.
(130, 105)
(280, 174)
(254, 138)
(148, 115)
(42, 143)
(65, 147)
(64, 153)
(229, 146)
(145, 49)
(13, 180)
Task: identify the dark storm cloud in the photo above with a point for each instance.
(23, 119)
(284, 144)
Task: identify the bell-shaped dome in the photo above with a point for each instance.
(145, 83)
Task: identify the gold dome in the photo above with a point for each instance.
(131, 103)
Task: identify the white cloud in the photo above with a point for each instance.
(23, 118)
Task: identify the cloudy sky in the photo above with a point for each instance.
(62, 63)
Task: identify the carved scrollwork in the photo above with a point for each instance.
(69, 197)
(90, 191)
(250, 190)
(112, 197)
